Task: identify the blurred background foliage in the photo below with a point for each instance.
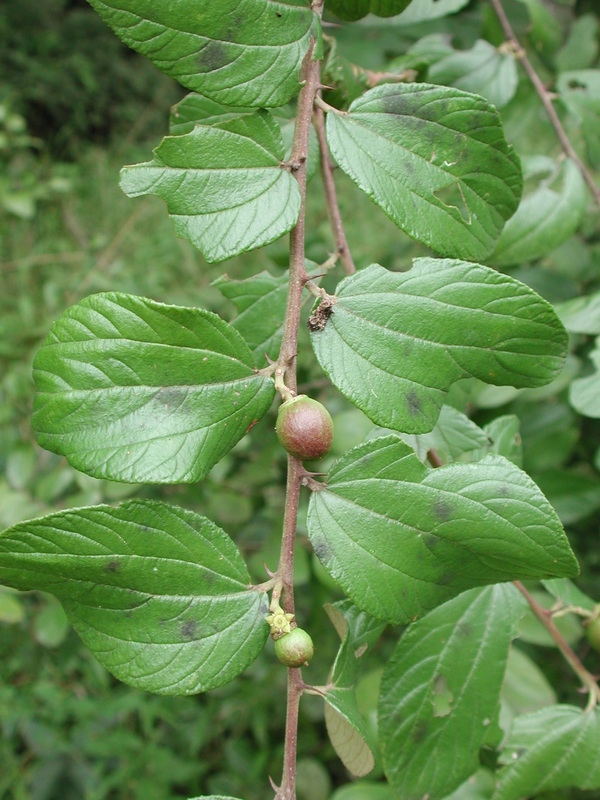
(75, 105)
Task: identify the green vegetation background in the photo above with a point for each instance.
(75, 105)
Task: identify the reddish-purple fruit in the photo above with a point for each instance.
(294, 649)
(304, 428)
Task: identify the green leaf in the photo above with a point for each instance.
(568, 594)
(504, 439)
(421, 11)
(483, 70)
(363, 790)
(436, 162)
(581, 314)
(545, 31)
(260, 302)
(584, 393)
(356, 9)
(553, 748)
(396, 342)
(400, 538)
(533, 632)
(224, 184)
(479, 786)
(346, 728)
(246, 54)
(581, 48)
(138, 391)
(159, 594)
(195, 109)
(579, 90)
(51, 625)
(574, 494)
(545, 218)
(442, 686)
(453, 435)
(12, 610)
(525, 687)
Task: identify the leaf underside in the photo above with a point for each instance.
(159, 594)
(347, 731)
(137, 391)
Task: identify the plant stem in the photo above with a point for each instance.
(287, 790)
(545, 98)
(289, 344)
(285, 376)
(545, 617)
(333, 208)
(290, 516)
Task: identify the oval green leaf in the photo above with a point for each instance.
(553, 748)
(401, 538)
(545, 218)
(356, 9)
(435, 160)
(245, 54)
(138, 391)
(160, 594)
(260, 302)
(224, 184)
(584, 393)
(442, 686)
(483, 70)
(396, 342)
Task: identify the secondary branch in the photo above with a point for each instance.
(545, 617)
(333, 208)
(545, 98)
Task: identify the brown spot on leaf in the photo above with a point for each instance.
(420, 731)
(188, 629)
(112, 566)
(442, 510)
(413, 401)
(214, 56)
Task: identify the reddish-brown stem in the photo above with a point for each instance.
(333, 208)
(298, 277)
(434, 459)
(287, 790)
(545, 617)
(290, 516)
(545, 98)
(285, 379)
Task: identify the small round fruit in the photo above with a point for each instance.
(294, 649)
(304, 428)
(593, 633)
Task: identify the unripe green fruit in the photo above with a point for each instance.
(294, 649)
(304, 428)
(593, 633)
